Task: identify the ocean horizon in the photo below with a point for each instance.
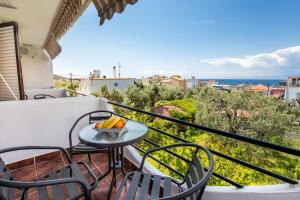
(266, 82)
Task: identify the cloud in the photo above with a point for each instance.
(288, 57)
(206, 21)
(277, 64)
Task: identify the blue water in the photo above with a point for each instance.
(266, 82)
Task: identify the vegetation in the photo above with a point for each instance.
(115, 95)
(66, 84)
(249, 114)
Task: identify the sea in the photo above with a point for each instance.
(266, 82)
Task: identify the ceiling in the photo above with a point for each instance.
(34, 18)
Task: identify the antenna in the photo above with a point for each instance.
(115, 72)
(119, 70)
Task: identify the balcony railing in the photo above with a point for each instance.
(245, 139)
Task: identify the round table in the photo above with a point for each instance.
(133, 132)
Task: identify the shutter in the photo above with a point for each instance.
(11, 85)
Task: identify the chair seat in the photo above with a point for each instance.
(143, 186)
(64, 191)
(82, 148)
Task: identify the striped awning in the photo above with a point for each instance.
(68, 13)
(52, 47)
(107, 8)
(7, 4)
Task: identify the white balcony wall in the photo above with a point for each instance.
(42, 122)
(37, 69)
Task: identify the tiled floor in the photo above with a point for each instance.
(42, 166)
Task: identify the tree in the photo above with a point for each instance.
(169, 94)
(116, 96)
(142, 96)
(67, 84)
(102, 92)
(137, 95)
(249, 114)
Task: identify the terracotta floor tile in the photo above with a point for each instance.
(96, 173)
(25, 173)
(84, 157)
(103, 187)
(28, 173)
(20, 164)
(47, 156)
(33, 196)
(100, 159)
(43, 168)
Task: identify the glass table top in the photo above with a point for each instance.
(131, 133)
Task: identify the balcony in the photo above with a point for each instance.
(47, 122)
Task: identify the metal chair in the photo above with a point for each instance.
(82, 148)
(43, 96)
(66, 183)
(163, 187)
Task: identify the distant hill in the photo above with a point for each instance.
(57, 77)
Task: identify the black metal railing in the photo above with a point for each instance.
(74, 92)
(249, 140)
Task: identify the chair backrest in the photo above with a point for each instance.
(43, 96)
(96, 117)
(5, 192)
(193, 177)
(92, 117)
(197, 176)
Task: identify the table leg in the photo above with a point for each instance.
(116, 161)
(109, 168)
(122, 158)
(114, 175)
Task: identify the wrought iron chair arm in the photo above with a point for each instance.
(94, 177)
(176, 145)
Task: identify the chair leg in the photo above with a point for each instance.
(71, 154)
(90, 159)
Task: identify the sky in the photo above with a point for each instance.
(255, 39)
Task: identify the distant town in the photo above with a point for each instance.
(288, 89)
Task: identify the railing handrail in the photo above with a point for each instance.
(75, 92)
(246, 139)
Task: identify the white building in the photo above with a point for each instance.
(292, 91)
(89, 86)
(192, 83)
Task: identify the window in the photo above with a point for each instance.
(293, 82)
(116, 84)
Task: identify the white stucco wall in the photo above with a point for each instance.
(89, 86)
(37, 69)
(42, 122)
(292, 93)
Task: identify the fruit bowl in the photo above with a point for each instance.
(114, 124)
(111, 130)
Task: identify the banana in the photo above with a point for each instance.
(108, 121)
(113, 122)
